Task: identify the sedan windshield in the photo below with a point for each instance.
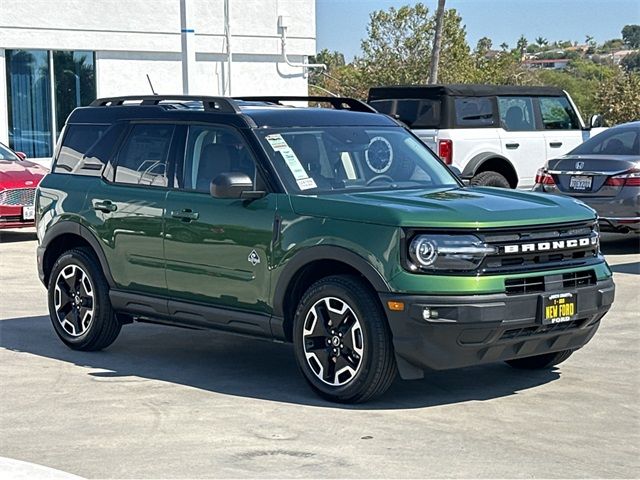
(6, 154)
(339, 159)
(623, 140)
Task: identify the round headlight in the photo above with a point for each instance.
(425, 251)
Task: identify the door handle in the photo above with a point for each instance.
(106, 206)
(186, 214)
(555, 144)
(512, 146)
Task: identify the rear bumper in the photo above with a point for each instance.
(477, 329)
(620, 224)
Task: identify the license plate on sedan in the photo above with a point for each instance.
(28, 212)
(580, 183)
(559, 308)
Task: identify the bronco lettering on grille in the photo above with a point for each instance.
(551, 245)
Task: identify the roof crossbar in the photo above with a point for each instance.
(339, 103)
(210, 104)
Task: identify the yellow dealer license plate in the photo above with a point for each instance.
(559, 307)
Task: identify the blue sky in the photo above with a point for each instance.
(341, 24)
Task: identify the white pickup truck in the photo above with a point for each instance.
(496, 135)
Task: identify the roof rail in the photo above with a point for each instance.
(215, 104)
(339, 103)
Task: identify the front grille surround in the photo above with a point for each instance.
(17, 197)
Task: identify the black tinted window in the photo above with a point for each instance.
(557, 114)
(474, 112)
(416, 113)
(144, 155)
(75, 156)
(615, 141)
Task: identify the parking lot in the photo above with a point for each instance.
(165, 402)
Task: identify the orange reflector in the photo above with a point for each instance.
(396, 306)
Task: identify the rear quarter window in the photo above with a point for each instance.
(475, 112)
(85, 149)
(415, 112)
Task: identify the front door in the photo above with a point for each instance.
(217, 251)
(562, 129)
(521, 142)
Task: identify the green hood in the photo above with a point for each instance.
(480, 207)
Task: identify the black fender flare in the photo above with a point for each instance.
(75, 228)
(323, 252)
(476, 162)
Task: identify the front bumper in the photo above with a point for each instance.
(475, 329)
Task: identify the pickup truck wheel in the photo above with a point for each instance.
(79, 304)
(342, 340)
(490, 179)
(540, 362)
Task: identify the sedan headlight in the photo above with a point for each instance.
(447, 252)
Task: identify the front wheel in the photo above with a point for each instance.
(540, 362)
(342, 341)
(79, 304)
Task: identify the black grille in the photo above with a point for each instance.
(559, 251)
(524, 285)
(541, 329)
(18, 196)
(579, 279)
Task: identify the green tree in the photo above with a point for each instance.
(631, 62)
(521, 46)
(618, 98)
(483, 46)
(631, 35)
(542, 42)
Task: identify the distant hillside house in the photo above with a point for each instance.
(554, 63)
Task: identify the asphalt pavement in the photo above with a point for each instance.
(164, 402)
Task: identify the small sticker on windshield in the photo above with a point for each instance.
(280, 145)
(306, 183)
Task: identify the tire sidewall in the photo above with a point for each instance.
(73, 258)
(362, 377)
(491, 179)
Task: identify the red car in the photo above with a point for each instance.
(18, 181)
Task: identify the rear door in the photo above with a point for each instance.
(562, 129)
(218, 251)
(521, 140)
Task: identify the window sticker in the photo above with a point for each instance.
(306, 183)
(280, 145)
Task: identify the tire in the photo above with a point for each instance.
(540, 362)
(84, 319)
(345, 305)
(490, 179)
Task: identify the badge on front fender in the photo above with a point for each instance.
(253, 258)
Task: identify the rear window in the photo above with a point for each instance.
(473, 112)
(415, 112)
(85, 149)
(615, 141)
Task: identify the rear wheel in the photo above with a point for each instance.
(540, 362)
(490, 179)
(79, 304)
(342, 341)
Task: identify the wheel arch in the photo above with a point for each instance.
(490, 161)
(64, 236)
(307, 267)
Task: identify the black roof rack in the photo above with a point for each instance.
(216, 104)
(339, 103)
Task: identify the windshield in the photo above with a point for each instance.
(6, 154)
(614, 141)
(338, 159)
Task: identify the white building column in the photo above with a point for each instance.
(187, 37)
(4, 101)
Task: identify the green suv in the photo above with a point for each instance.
(335, 229)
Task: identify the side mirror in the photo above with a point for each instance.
(596, 121)
(233, 185)
(21, 155)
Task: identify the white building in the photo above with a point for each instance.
(58, 54)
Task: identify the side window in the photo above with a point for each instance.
(516, 113)
(211, 151)
(557, 114)
(417, 113)
(474, 112)
(77, 141)
(144, 155)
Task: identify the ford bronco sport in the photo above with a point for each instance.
(335, 229)
(497, 135)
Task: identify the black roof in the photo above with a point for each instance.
(249, 112)
(459, 90)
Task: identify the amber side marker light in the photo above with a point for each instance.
(395, 306)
